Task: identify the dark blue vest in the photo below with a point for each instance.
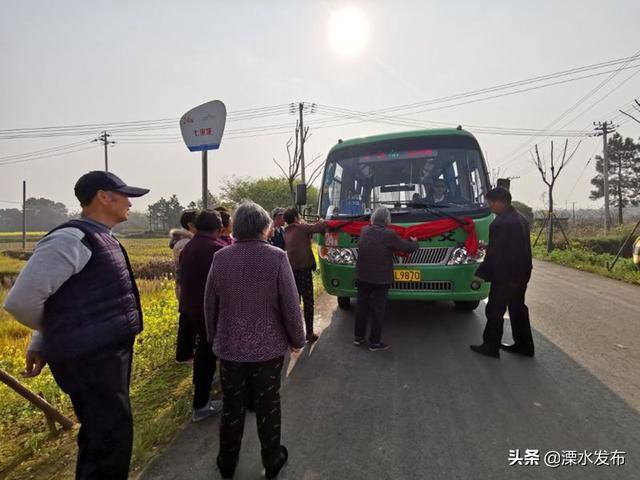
(96, 308)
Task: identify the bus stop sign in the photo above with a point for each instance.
(202, 127)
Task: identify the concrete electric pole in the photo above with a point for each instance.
(104, 138)
(603, 129)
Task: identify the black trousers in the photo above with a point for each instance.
(186, 340)
(372, 303)
(204, 361)
(501, 297)
(99, 390)
(304, 282)
(261, 380)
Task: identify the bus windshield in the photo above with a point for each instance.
(448, 180)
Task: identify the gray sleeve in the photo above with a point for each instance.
(56, 258)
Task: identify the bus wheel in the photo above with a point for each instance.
(467, 306)
(344, 302)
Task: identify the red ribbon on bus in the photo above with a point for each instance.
(421, 231)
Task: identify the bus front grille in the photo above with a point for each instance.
(435, 286)
(425, 256)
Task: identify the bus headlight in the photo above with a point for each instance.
(460, 256)
(339, 256)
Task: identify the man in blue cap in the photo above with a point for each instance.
(78, 293)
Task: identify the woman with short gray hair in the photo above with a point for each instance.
(374, 272)
(253, 317)
(381, 216)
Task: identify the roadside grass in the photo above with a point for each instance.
(589, 261)
(9, 266)
(160, 395)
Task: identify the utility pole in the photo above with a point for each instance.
(603, 129)
(24, 215)
(104, 138)
(573, 214)
(302, 172)
(302, 108)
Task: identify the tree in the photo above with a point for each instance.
(269, 192)
(164, 214)
(293, 173)
(549, 178)
(212, 202)
(624, 173)
(10, 219)
(525, 210)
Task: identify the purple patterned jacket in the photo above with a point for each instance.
(251, 302)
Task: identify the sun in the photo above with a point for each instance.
(348, 31)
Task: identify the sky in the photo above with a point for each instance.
(78, 62)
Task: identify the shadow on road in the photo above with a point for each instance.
(426, 408)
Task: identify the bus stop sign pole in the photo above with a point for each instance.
(202, 128)
(205, 180)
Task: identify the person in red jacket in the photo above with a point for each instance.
(195, 261)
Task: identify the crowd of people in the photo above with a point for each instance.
(240, 280)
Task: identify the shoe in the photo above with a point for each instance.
(515, 348)
(273, 472)
(211, 408)
(357, 341)
(225, 472)
(312, 338)
(187, 360)
(375, 347)
(486, 350)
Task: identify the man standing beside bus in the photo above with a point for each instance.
(507, 266)
(79, 294)
(374, 272)
(297, 237)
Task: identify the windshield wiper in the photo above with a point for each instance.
(365, 216)
(429, 207)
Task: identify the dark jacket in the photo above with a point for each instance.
(278, 238)
(252, 304)
(96, 308)
(195, 262)
(297, 238)
(508, 258)
(376, 247)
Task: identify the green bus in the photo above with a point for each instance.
(421, 176)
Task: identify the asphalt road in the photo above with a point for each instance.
(429, 408)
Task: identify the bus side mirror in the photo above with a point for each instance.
(301, 194)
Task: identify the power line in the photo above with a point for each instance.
(30, 159)
(526, 145)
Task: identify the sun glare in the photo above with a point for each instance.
(348, 31)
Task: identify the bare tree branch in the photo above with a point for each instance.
(316, 173)
(281, 169)
(541, 168)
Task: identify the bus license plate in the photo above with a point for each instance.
(407, 275)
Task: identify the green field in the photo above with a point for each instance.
(150, 257)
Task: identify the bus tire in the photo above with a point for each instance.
(467, 306)
(344, 302)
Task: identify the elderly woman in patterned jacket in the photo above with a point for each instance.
(253, 318)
